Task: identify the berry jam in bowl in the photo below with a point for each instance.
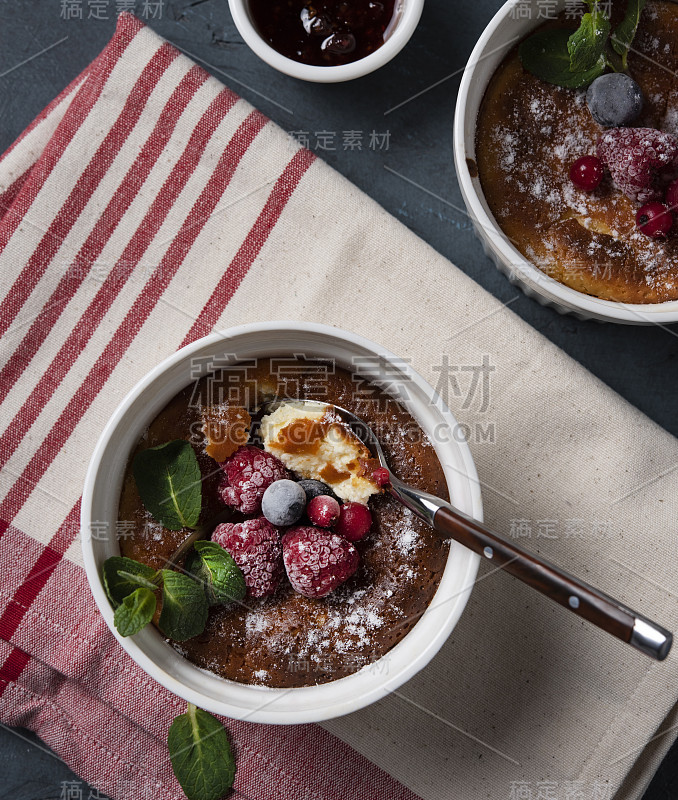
(321, 593)
(568, 180)
(328, 41)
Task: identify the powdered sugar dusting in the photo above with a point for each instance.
(152, 528)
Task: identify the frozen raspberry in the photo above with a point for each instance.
(323, 511)
(654, 220)
(355, 521)
(634, 156)
(256, 549)
(381, 476)
(247, 475)
(317, 561)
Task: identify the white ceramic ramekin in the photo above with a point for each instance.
(102, 492)
(509, 25)
(408, 13)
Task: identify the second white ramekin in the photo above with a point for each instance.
(508, 26)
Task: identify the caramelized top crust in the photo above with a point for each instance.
(528, 135)
(226, 428)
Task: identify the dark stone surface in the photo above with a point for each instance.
(639, 363)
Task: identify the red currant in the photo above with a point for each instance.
(654, 220)
(323, 511)
(671, 196)
(586, 173)
(355, 521)
(381, 476)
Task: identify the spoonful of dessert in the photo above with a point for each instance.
(328, 443)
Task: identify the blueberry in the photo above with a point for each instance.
(283, 502)
(614, 100)
(315, 489)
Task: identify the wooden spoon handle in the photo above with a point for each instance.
(581, 598)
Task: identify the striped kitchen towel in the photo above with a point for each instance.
(148, 205)
(102, 198)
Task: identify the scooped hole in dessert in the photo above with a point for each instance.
(315, 443)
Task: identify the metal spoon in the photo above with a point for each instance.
(579, 597)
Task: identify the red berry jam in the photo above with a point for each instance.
(586, 173)
(326, 33)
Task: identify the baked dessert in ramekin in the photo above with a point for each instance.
(516, 138)
(276, 635)
(256, 701)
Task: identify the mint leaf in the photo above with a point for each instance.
(545, 54)
(586, 45)
(118, 586)
(215, 569)
(136, 611)
(169, 483)
(201, 755)
(138, 580)
(623, 34)
(184, 606)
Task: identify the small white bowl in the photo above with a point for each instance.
(261, 704)
(508, 26)
(406, 18)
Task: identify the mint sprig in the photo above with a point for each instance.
(201, 755)
(199, 748)
(220, 576)
(546, 56)
(587, 44)
(170, 484)
(575, 59)
(121, 576)
(138, 579)
(135, 611)
(624, 33)
(212, 577)
(184, 606)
